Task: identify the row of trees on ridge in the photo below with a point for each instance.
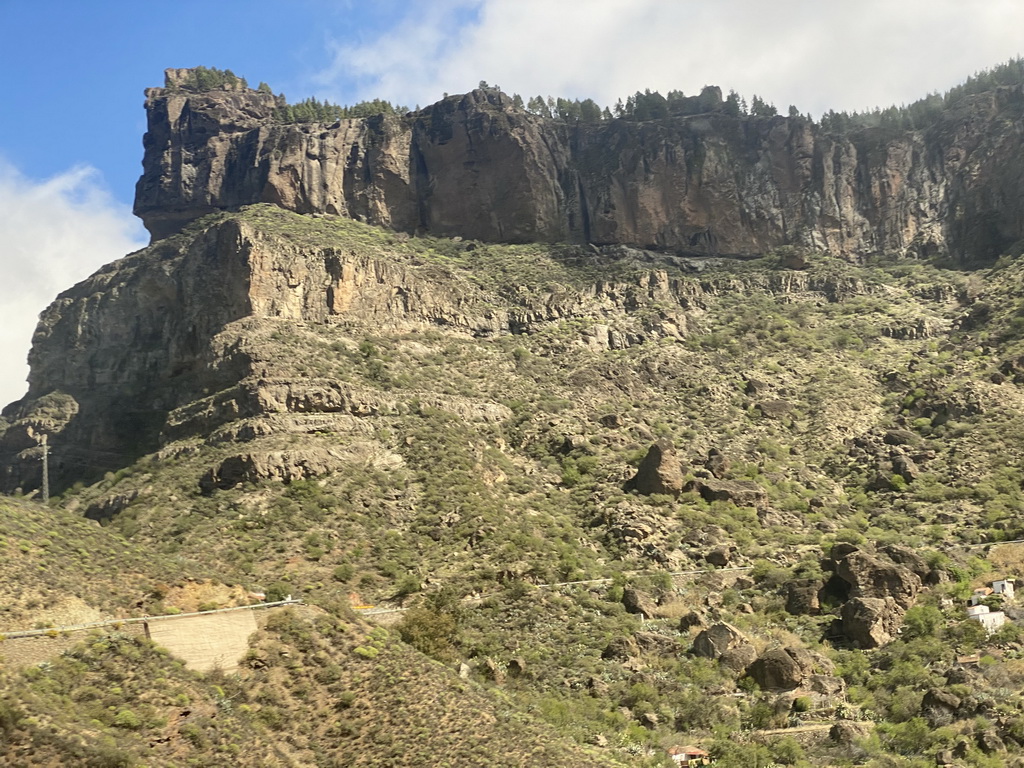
(650, 105)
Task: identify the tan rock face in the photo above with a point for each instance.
(870, 622)
(781, 669)
(872, 577)
(478, 167)
(172, 342)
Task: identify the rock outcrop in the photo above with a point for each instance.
(872, 577)
(870, 622)
(742, 493)
(477, 166)
(875, 588)
(152, 349)
(717, 639)
(660, 471)
(284, 466)
(637, 601)
(802, 597)
(781, 669)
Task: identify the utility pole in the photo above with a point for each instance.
(46, 470)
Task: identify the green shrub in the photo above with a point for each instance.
(343, 572)
(127, 719)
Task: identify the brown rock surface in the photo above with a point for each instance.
(737, 659)
(637, 601)
(802, 597)
(284, 466)
(781, 668)
(659, 472)
(692, 619)
(742, 493)
(717, 639)
(870, 576)
(476, 166)
(871, 621)
(717, 463)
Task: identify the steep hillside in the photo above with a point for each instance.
(315, 691)
(364, 417)
(60, 569)
(624, 498)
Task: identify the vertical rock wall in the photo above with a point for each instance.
(476, 166)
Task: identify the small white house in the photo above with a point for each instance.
(1004, 587)
(980, 594)
(989, 619)
(689, 756)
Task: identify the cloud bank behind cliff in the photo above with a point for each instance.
(816, 55)
(53, 233)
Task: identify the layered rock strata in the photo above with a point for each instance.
(476, 166)
(177, 340)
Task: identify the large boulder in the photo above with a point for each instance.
(636, 601)
(802, 597)
(872, 577)
(939, 706)
(692, 619)
(989, 742)
(720, 556)
(905, 467)
(907, 557)
(717, 463)
(620, 649)
(900, 437)
(717, 639)
(848, 732)
(870, 622)
(827, 689)
(659, 472)
(782, 669)
(737, 659)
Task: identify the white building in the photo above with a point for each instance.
(980, 594)
(1004, 587)
(989, 619)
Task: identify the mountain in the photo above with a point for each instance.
(476, 166)
(699, 429)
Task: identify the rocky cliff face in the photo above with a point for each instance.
(475, 166)
(173, 341)
(191, 333)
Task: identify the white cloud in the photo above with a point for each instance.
(53, 233)
(819, 55)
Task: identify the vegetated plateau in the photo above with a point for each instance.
(669, 448)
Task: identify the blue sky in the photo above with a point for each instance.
(76, 70)
(74, 73)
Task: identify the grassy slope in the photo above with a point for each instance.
(57, 566)
(432, 498)
(117, 700)
(318, 692)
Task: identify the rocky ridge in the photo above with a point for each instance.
(151, 350)
(476, 166)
